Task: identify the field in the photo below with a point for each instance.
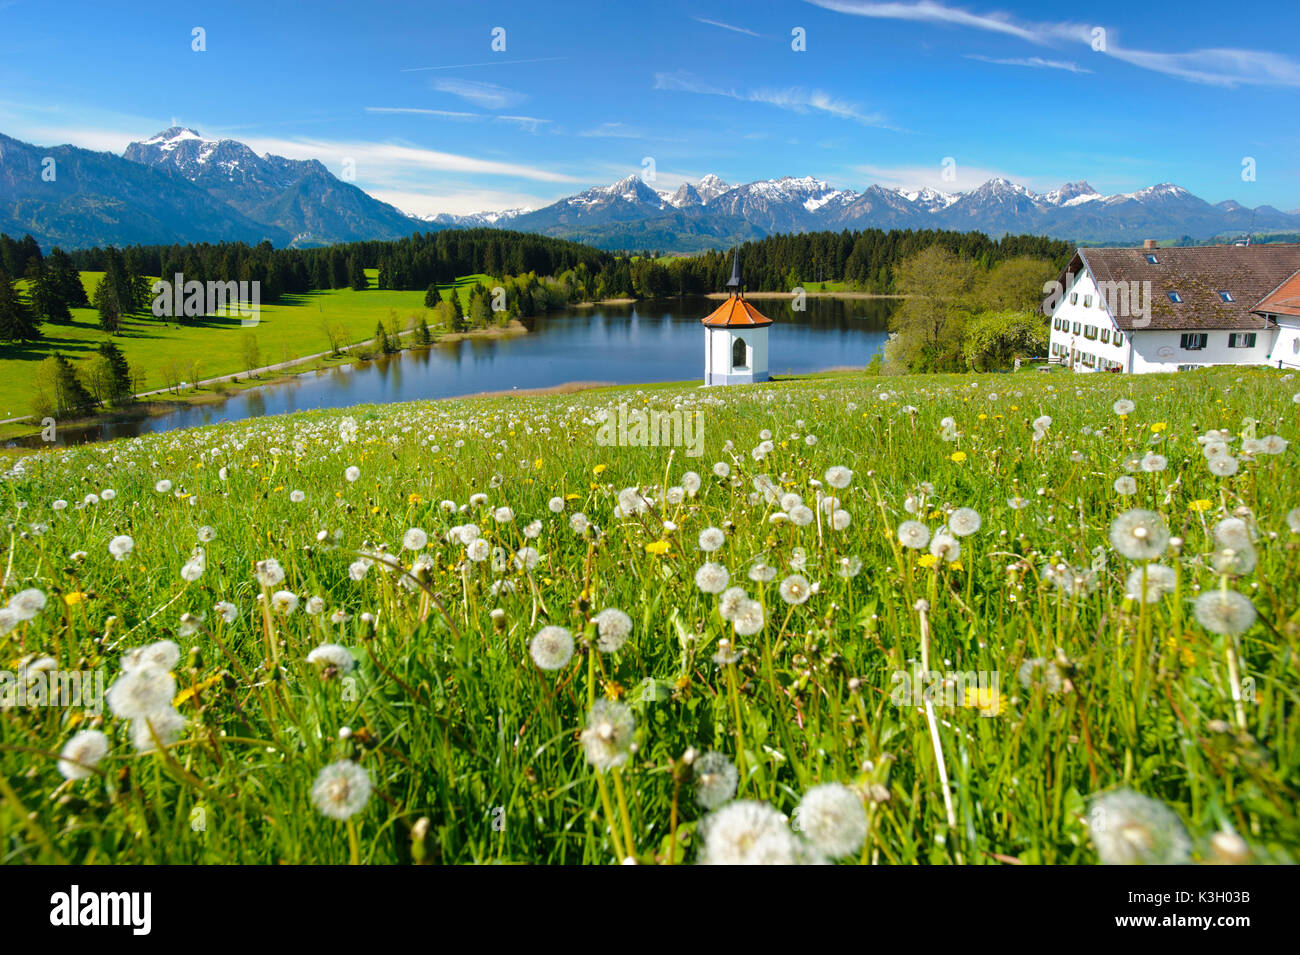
(287, 330)
(878, 620)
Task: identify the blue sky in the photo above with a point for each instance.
(435, 120)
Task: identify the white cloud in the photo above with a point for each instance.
(482, 95)
(725, 26)
(1215, 67)
(1037, 62)
(931, 176)
(614, 131)
(414, 111)
(794, 99)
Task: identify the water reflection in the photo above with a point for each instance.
(645, 342)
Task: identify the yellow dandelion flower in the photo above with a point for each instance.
(598, 469)
(658, 548)
(538, 464)
(927, 560)
(573, 497)
(1201, 504)
(413, 498)
(74, 598)
(375, 509)
(957, 457)
(986, 699)
(1160, 426)
(189, 691)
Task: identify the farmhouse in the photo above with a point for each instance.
(1170, 309)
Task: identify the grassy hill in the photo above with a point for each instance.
(330, 707)
(289, 329)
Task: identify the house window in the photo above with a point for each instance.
(1074, 298)
(1175, 297)
(1119, 339)
(1105, 336)
(1193, 341)
(1090, 332)
(1087, 301)
(1241, 340)
(1078, 327)
(1226, 296)
(738, 353)
(1152, 259)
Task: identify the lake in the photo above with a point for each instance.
(647, 341)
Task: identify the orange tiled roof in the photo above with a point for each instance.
(1283, 300)
(736, 311)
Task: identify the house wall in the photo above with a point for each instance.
(1091, 318)
(1163, 351)
(1286, 344)
(1147, 350)
(718, 343)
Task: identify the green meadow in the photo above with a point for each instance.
(290, 329)
(983, 619)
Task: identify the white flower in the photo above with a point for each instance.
(551, 648)
(503, 515)
(226, 610)
(120, 547)
(284, 601)
(838, 476)
(1160, 580)
(415, 539)
(964, 521)
(526, 558)
(1130, 829)
(1125, 485)
(730, 600)
(332, 656)
(206, 534)
(341, 790)
(832, 818)
(711, 538)
(141, 690)
(1139, 534)
(1152, 462)
(164, 725)
(613, 627)
(1224, 465)
(1123, 407)
(556, 505)
(840, 519)
(164, 654)
(748, 833)
(712, 578)
(607, 738)
(26, 604)
(913, 534)
(352, 473)
(81, 753)
(1224, 611)
(691, 482)
(801, 515)
(297, 497)
(945, 547)
(795, 589)
(478, 550)
(747, 619)
(268, 572)
(163, 486)
(715, 780)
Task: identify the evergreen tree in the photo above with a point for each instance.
(431, 296)
(422, 331)
(120, 372)
(108, 305)
(16, 320)
(47, 299)
(72, 396)
(68, 280)
(381, 338)
(357, 275)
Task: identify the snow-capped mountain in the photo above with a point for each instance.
(299, 196)
(627, 213)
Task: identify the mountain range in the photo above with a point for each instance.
(179, 186)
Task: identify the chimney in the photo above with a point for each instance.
(1148, 243)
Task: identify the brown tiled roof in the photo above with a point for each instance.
(1197, 274)
(1283, 300)
(736, 311)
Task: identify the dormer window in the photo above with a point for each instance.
(1151, 257)
(1226, 296)
(1176, 298)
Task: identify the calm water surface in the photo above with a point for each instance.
(624, 344)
